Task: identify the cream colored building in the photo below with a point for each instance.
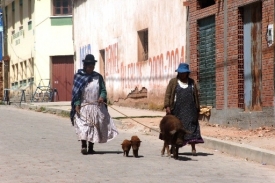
(139, 44)
(40, 46)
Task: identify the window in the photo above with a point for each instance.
(102, 62)
(13, 71)
(30, 14)
(204, 3)
(21, 70)
(21, 11)
(6, 12)
(30, 9)
(13, 14)
(16, 72)
(25, 69)
(62, 7)
(31, 67)
(30, 80)
(143, 45)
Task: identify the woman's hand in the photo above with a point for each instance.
(168, 110)
(77, 109)
(100, 100)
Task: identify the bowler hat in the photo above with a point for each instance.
(183, 67)
(89, 59)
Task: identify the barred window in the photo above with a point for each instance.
(62, 7)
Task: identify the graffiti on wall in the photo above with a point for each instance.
(84, 50)
(154, 73)
(111, 60)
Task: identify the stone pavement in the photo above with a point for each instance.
(42, 148)
(239, 150)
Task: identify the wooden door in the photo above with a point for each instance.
(62, 76)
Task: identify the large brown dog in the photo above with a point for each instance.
(172, 133)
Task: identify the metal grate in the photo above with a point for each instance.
(207, 61)
(240, 59)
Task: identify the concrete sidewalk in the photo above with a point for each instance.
(113, 110)
(239, 150)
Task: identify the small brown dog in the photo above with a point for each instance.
(135, 141)
(126, 146)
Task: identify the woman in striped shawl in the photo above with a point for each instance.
(89, 114)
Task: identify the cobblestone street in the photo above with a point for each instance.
(38, 147)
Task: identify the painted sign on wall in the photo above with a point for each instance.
(111, 60)
(84, 50)
(152, 74)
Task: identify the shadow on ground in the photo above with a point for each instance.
(131, 156)
(198, 154)
(183, 158)
(108, 152)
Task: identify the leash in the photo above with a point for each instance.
(95, 102)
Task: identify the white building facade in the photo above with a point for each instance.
(40, 46)
(138, 45)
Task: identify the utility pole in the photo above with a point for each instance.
(6, 58)
(1, 63)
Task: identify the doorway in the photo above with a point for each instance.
(62, 76)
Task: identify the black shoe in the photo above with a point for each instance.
(84, 151)
(91, 148)
(91, 151)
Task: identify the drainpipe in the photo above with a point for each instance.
(5, 57)
(225, 57)
(225, 94)
(187, 57)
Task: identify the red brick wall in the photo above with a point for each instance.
(219, 57)
(232, 49)
(267, 56)
(232, 68)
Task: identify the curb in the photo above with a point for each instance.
(265, 157)
(52, 110)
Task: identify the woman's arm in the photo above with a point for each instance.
(168, 96)
(196, 95)
(103, 91)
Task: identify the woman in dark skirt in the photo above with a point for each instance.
(181, 100)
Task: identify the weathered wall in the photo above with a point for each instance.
(228, 109)
(112, 26)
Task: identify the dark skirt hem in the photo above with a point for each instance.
(195, 141)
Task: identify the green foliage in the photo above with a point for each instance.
(64, 114)
(154, 106)
(42, 109)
